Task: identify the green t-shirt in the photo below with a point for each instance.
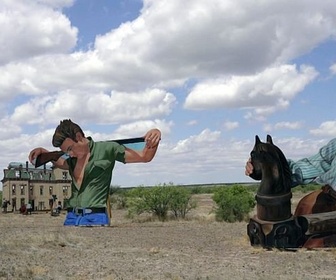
(97, 174)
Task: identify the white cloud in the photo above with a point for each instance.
(228, 125)
(141, 127)
(192, 122)
(230, 37)
(30, 29)
(17, 148)
(298, 148)
(283, 125)
(187, 145)
(333, 69)
(55, 4)
(265, 92)
(100, 108)
(327, 128)
(170, 42)
(9, 130)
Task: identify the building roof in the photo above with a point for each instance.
(16, 165)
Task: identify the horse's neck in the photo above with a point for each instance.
(269, 183)
(266, 186)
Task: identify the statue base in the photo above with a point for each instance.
(285, 234)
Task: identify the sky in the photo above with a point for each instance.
(211, 75)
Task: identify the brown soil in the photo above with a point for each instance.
(38, 246)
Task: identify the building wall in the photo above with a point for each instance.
(23, 183)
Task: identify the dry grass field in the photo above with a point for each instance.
(38, 246)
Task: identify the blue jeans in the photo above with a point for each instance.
(92, 219)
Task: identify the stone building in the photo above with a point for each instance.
(23, 183)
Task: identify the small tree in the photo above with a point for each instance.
(118, 197)
(181, 202)
(233, 203)
(153, 200)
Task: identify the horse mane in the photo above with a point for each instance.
(285, 171)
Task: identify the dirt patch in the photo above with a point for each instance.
(38, 246)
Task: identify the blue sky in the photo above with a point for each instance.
(210, 74)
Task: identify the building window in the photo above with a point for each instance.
(13, 190)
(22, 190)
(65, 191)
(41, 190)
(50, 190)
(65, 175)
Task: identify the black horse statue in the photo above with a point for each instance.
(274, 225)
(274, 193)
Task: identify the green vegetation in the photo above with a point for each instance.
(233, 203)
(159, 201)
(181, 202)
(306, 188)
(118, 197)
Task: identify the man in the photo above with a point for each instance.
(319, 168)
(5, 205)
(90, 165)
(29, 208)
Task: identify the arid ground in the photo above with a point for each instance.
(38, 246)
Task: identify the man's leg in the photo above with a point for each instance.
(95, 219)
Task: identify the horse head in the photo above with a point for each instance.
(271, 167)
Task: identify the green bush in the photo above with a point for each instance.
(118, 197)
(114, 189)
(153, 200)
(233, 203)
(197, 190)
(119, 200)
(159, 201)
(306, 188)
(181, 202)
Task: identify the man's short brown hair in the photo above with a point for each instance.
(66, 129)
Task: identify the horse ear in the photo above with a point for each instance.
(269, 139)
(257, 140)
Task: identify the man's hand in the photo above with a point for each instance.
(152, 138)
(248, 167)
(35, 153)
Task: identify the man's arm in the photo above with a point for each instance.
(60, 163)
(152, 139)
